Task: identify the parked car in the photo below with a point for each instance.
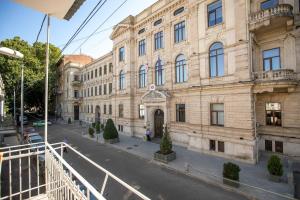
(28, 130)
(29, 135)
(41, 123)
(25, 120)
(36, 141)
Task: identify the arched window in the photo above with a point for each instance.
(122, 80)
(159, 72)
(181, 71)
(216, 59)
(142, 77)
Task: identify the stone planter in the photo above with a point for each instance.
(164, 158)
(231, 183)
(274, 178)
(112, 141)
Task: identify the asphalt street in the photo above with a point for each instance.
(155, 181)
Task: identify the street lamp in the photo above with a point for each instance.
(16, 54)
(65, 10)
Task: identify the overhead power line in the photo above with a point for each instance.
(100, 26)
(38, 35)
(82, 38)
(97, 7)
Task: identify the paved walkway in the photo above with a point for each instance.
(206, 167)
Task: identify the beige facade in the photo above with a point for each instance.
(226, 85)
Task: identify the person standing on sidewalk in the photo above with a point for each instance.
(65, 148)
(148, 134)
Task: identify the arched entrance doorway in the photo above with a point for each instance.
(158, 123)
(97, 114)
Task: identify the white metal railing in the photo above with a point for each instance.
(281, 74)
(279, 10)
(29, 175)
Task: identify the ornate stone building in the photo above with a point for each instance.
(223, 75)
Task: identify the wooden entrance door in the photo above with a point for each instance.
(76, 112)
(158, 123)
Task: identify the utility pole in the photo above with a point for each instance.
(22, 103)
(15, 105)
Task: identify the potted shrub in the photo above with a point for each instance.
(93, 124)
(275, 168)
(231, 172)
(69, 121)
(110, 134)
(98, 127)
(91, 132)
(165, 154)
(102, 127)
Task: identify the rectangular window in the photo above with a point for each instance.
(121, 54)
(100, 71)
(110, 67)
(278, 147)
(96, 74)
(100, 89)
(180, 112)
(214, 13)
(142, 48)
(217, 114)
(273, 114)
(271, 59)
(120, 128)
(88, 75)
(121, 110)
(104, 109)
(268, 145)
(179, 32)
(110, 109)
(92, 90)
(104, 89)
(268, 4)
(88, 92)
(158, 40)
(110, 88)
(76, 94)
(141, 111)
(105, 70)
(92, 74)
(212, 145)
(221, 147)
(96, 91)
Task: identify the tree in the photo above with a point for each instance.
(166, 143)
(34, 73)
(110, 131)
(275, 166)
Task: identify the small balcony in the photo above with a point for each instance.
(276, 75)
(76, 82)
(281, 15)
(77, 99)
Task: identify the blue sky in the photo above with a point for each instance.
(17, 20)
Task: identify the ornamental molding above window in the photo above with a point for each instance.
(155, 96)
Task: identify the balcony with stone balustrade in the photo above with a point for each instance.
(281, 15)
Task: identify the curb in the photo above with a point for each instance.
(201, 178)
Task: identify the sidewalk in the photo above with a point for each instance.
(208, 168)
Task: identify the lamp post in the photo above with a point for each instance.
(16, 54)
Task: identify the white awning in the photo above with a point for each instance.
(62, 9)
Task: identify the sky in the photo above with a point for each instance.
(18, 20)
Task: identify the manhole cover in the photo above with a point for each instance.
(129, 148)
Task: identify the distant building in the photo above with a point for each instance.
(223, 75)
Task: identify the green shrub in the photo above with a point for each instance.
(110, 131)
(231, 171)
(69, 121)
(102, 127)
(275, 166)
(91, 131)
(98, 127)
(93, 125)
(166, 143)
